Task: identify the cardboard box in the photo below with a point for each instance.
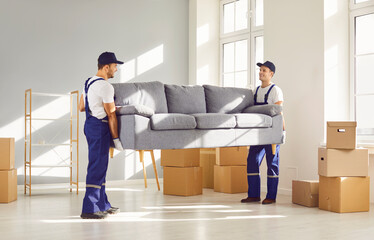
(344, 194)
(8, 185)
(207, 162)
(180, 157)
(305, 192)
(6, 153)
(183, 181)
(341, 135)
(343, 162)
(232, 156)
(230, 179)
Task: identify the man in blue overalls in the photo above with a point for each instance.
(267, 93)
(100, 127)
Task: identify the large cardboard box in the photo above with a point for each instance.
(207, 162)
(344, 194)
(180, 157)
(8, 185)
(183, 181)
(341, 135)
(232, 156)
(343, 162)
(6, 153)
(305, 192)
(230, 179)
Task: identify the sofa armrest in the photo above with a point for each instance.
(138, 109)
(268, 109)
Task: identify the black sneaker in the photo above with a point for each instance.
(113, 210)
(95, 215)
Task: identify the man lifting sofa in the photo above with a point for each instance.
(153, 115)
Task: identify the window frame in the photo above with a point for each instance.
(357, 10)
(249, 34)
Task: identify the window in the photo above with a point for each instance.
(241, 41)
(362, 63)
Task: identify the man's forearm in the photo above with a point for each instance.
(113, 125)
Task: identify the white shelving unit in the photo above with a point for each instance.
(73, 143)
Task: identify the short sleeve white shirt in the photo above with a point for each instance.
(275, 94)
(100, 92)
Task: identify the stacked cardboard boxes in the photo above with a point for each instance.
(230, 171)
(182, 172)
(8, 174)
(343, 171)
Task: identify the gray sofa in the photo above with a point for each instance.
(153, 115)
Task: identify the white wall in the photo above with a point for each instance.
(337, 82)
(294, 41)
(204, 42)
(53, 46)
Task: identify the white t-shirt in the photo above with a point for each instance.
(100, 92)
(275, 94)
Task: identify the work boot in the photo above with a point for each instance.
(95, 215)
(250, 199)
(113, 210)
(268, 201)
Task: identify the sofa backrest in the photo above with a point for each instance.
(185, 99)
(150, 94)
(227, 99)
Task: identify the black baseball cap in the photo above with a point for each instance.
(108, 58)
(268, 64)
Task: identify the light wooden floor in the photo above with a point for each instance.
(148, 214)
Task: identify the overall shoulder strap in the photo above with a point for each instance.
(267, 94)
(86, 87)
(255, 97)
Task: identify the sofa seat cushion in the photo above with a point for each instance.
(252, 120)
(172, 121)
(214, 120)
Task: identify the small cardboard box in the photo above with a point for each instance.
(341, 135)
(343, 162)
(344, 194)
(230, 179)
(183, 181)
(305, 192)
(6, 153)
(232, 156)
(8, 185)
(180, 157)
(207, 162)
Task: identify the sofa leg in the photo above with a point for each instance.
(141, 154)
(155, 169)
(273, 148)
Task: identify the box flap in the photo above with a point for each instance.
(342, 124)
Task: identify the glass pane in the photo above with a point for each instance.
(241, 8)
(365, 111)
(360, 1)
(241, 55)
(241, 79)
(365, 34)
(259, 56)
(259, 12)
(228, 17)
(228, 57)
(364, 74)
(228, 80)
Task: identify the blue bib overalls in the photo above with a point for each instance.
(255, 156)
(98, 139)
